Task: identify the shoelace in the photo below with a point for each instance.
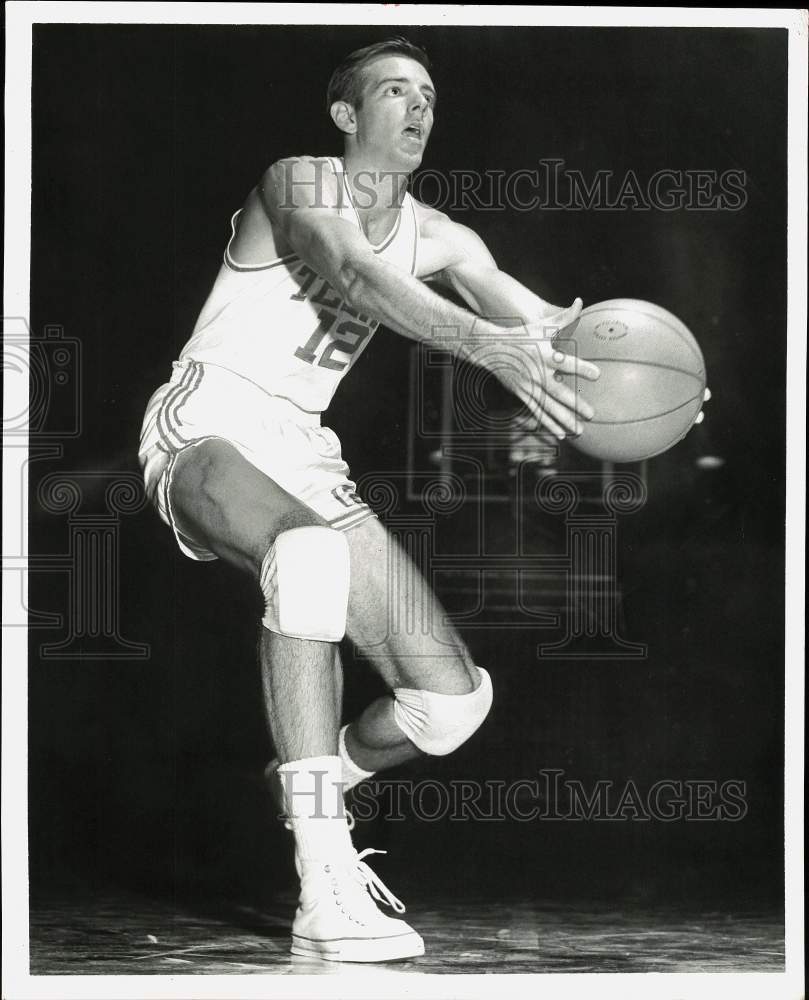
(368, 878)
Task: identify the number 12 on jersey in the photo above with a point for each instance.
(351, 337)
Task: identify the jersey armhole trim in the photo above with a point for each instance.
(266, 265)
(415, 261)
(233, 266)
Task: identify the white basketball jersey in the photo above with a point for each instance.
(282, 326)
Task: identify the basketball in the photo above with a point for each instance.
(652, 379)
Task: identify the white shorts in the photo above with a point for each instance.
(284, 442)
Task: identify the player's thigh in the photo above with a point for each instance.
(225, 503)
(396, 621)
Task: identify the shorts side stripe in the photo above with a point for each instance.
(352, 518)
(170, 411)
(162, 427)
(172, 420)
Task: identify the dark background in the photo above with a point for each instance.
(146, 139)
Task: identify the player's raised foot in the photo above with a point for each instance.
(338, 920)
(273, 782)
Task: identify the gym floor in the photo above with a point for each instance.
(118, 932)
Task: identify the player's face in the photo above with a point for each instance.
(395, 117)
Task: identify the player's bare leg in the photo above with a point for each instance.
(301, 696)
(403, 630)
(226, 504)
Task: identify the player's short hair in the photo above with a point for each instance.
(347, 80)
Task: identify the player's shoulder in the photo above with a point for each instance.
(302, 167)
(305, 162)
(438, 226)
(429, 218)
(293, 181)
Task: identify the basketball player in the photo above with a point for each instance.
(238, 463)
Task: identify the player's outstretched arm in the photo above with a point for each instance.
(457, 257)
(301, 197)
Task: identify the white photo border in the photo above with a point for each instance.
(18, 984)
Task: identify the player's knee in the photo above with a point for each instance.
(440, 723)
(305, 578)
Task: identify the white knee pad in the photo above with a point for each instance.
(440, 723)
(305, 578)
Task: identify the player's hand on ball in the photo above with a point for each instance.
(555, 405)
(705, 397)
(558, 318)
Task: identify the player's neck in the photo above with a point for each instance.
(375, 190)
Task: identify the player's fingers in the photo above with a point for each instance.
(534, 400)
(561, 320)
(571, 365)
(566, 411)
(571, 314)
(549, 424)
(568, 399)
(547, 421)
(706, 395)
(570, 417)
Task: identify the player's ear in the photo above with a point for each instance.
(344, 117)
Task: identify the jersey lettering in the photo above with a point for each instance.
(357, 332)
(305, 276)
(326, 296)
(346, 495)
(348, 328)
(285, 328)
(307, 352)
(349, 335)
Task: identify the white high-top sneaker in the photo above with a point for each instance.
(338, 920)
